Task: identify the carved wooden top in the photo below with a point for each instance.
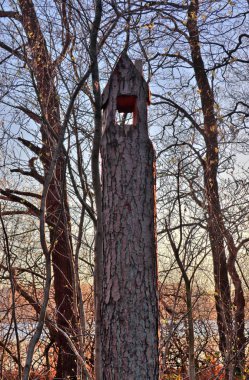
(126, 80)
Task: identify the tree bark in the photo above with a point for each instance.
(96, 178)
(57, 208)
(232, 339)
(129, 306)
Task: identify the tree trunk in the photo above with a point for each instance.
(57, 208)
(129, 306)
(232, 339)
(96, 179)
(191, 336)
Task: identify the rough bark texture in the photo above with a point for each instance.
(129, 306)
(96, 179)
(57, 205)
(232, 336)
(191, 335)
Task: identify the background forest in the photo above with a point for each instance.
(55, 60)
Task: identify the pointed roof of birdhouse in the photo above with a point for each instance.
(126, 71)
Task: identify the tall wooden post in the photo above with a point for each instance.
(129, 305)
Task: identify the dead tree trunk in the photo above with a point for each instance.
(129, 306)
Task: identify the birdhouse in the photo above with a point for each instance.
(126, 93)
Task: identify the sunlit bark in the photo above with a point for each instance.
(129, 293)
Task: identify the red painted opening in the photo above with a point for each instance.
(126, 103)
(126, 109)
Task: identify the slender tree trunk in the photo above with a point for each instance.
(232, 340)
(191, 336)
(187, 282)
(95, 164)
(239, 303)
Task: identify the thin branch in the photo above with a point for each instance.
(3, 345)
(25, 193)
(36, 118)
(32, 173)
(75, 351)
(14, 198)
(181, 109)
(11, 14)
(68, 38)
(13, 51)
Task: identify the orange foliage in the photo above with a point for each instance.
(11, 375)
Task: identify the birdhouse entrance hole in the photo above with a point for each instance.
(126, 103)
(126, 109)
